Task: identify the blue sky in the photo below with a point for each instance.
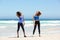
(50, 8)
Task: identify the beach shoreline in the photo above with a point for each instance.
(50, 30)
(43, 37)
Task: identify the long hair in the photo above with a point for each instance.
(18, 14)
(38, 13)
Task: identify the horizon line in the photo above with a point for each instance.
(30, 19)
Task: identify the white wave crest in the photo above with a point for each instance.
(3, 26)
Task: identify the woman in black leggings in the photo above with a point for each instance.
(20, 23)
(36, 22)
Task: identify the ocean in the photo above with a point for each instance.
(9, 27)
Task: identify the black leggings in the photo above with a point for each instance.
(36, 23)
(22, 26)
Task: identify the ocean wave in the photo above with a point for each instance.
(51, 22)
(42, 22)
(8, 21)
(31, 25)
(3, 26)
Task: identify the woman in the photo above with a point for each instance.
(20, 23)
(36, 22)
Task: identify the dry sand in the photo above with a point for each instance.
(43, 37)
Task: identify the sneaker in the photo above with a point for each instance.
(39, 35)
(24, 35)
(17, 36)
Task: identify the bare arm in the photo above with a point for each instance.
(33, 19)
(23, 20)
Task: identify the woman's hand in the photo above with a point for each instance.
(23, 23)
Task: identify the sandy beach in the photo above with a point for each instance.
(19, 18)
(49, 31)
(43, 37)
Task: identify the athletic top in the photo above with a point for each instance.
(36, 18)
(21, 19)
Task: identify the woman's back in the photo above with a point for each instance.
(36, 18)
(21, 19)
